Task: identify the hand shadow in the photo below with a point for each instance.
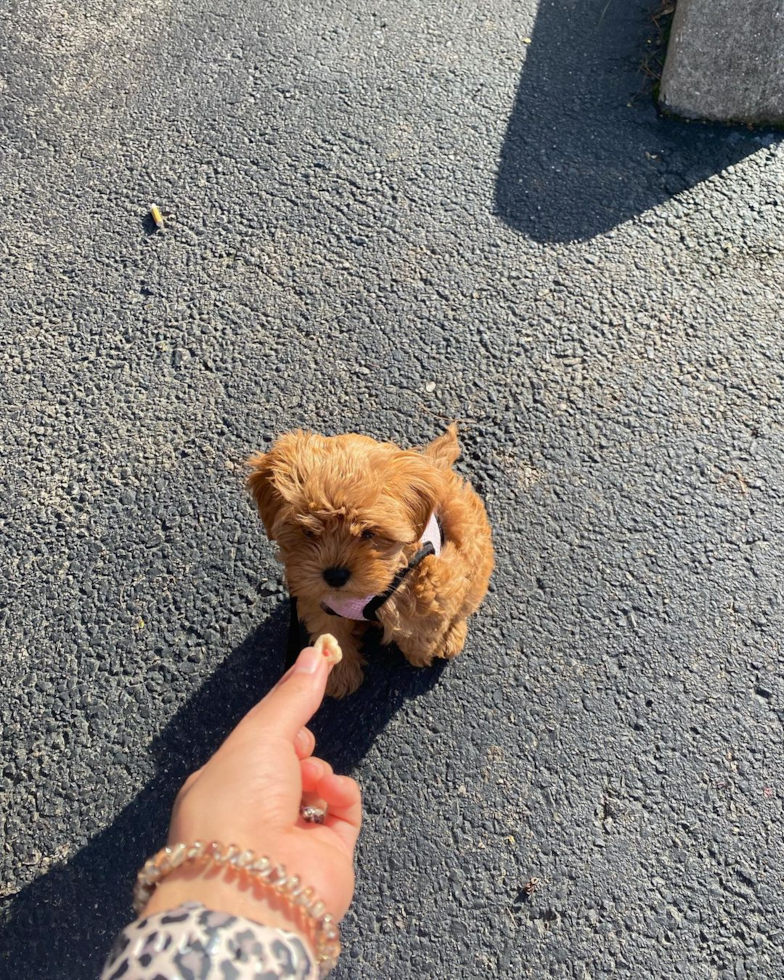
(585, 148)
(62, 925)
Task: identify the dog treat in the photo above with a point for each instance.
(329, 646)
(155, 214)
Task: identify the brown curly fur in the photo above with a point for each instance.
(317, 495)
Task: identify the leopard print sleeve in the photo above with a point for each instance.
(193, 943)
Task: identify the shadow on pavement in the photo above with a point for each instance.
(62, 925)
(585, 148)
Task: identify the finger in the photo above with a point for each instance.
(293, 701)
(318, 767)
(342, 795)
(304, 743)
(313, 771)
(344, 806)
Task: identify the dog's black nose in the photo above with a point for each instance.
(336, 576)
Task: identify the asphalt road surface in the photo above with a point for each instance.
(381, 218)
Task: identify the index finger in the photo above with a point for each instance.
(294, 700)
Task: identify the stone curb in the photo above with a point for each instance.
(725, 61)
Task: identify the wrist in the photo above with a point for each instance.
(238, 883)
(216, 892)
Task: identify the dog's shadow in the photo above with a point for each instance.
(62, 925)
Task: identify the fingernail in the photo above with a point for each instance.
(308, 661)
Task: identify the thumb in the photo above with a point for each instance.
(296, 697)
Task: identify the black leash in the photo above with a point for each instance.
(298, 638)
(370, 610)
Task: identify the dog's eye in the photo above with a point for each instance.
(367, 534)
(308, 533)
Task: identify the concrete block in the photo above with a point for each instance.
(725, 61)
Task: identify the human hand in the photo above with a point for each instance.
(249, 794)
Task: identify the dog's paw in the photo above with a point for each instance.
(454, 641)
(450, 644)
(419, 658)
(345, 678)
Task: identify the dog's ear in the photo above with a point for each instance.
(444, 450)
(418, 487)
(277, 478)
(261, 484)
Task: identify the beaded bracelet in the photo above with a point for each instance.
(326, 936)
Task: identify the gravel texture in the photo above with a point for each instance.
(383, 217)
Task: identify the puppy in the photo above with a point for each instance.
(373, 534)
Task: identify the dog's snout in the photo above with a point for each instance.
(336, 576)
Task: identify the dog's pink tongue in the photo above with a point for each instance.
(349, 608)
